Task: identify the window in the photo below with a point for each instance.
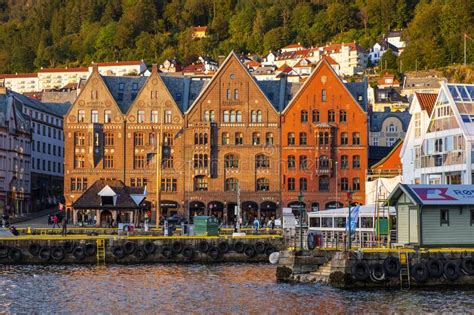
(201, 160)
(323, 95)
(231, 184)
(291, 162)
(303, 138)
(232, 116)
(228, 94)
(375, 141)
(78, 184)
(262, 161)
(269, 138)
(94, 116)
(169, 184)
(304, 116)
(256, 116)
(236, 94)
(324, 183)
(154, 116)
(342, 116)
(226, 116)
(200, 138)
(152, 138)
(331, 116)
(323, 138)
(140, 116)
(79, 161)
(256, 138)
(168, 117)
(344, 138)
(392, 128)
(138, 182)
(291, 184)
(138, 138)
(391, 141)
(444, 217)
(417, 118)
(323, 162)
(81, 115)
(212, 117)
(139, 161)
(200, 183)
(291, 138)
(108, 161)
(168, 139)
(263, 184)
(225, 138)
(472, 217)
(239, 116)
(356, 161)
(80, 139)
(356, 184)
(206, 116)
(315, 116)
(107, 116)
(109, 138)
(167, 161)
(344, 162)
(239, 138)
(303, 162)
(303, 184)
(231, 161)
(355, 138)
(344, 184)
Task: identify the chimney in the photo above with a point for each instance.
(154, 68)
(95, 67)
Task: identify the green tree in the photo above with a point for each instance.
(388, 61)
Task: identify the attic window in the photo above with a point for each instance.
(107, 200)
(232, 76)
(121, 86)
(135, 86)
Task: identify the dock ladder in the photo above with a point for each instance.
(404, 270)
(100, 252)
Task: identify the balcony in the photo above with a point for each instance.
(323, 171)
(443, 159)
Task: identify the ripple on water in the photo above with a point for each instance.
(210, 289)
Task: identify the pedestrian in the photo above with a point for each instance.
(5, 219)
(256, 224)
(55, 221)
(14, 231)
(64, 226)
(272, 224)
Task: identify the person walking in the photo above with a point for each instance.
(55, 221)
(256, 224)
(64, 226)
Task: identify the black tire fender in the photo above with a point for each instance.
(177, 247)
(203, 246)
(435, 267)
(15, 254)
(250, 251)
(79, 253)
(451, 270)
(129, 248)
(34, 249)
(260, 247)
(239, 247)
(468, 265)
(167, 252)
(377, 272)
(214, 253)
(420, 272)
(392, 266)
(57, 253)
(188, 252)
(44, 253)
(360, 270)
(4, 251)
(224, 247)
(118, 252)
(149, 247)
(140, 253)
(90, 249)
(270, 249)
(69, 246)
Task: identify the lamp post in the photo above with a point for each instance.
(300, 201)
(349, 201)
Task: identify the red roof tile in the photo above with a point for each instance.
(119, 63)
(18, 75)
(329, 59)
(200, 28)
(79, 69)
(427, 101)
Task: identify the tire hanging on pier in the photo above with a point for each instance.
(270, 250)
(149, 247)
(420, 272)
(15, 254)
(224, 247)
(377, 272)
(203, 246)
(140, 253)
(167, 252)
(214, 253)
(57, 253)
(44, 253)
(250, 251)
(177, 247)
(129, 248)
(238, 247)
(451, 270)
(118, 252)
(311, 241)
(4, 251)
(79, 253)
(435, 267)
(392, 266)
(69, 246)
(360, 270)
(34, 249)
(188, 252)
(260, 247)
(90, 249)
(468, 265)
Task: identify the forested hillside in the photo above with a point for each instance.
(48, 33)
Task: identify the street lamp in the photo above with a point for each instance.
(349, 201)
(300, 202)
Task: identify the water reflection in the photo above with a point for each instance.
(211, 289)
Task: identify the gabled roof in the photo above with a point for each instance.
(90, 198)
(58, 109)
(426, 101)
(279, 92)
(330, 60)
(131, 87)
(184, 90)
(393, 149)
(434, 195)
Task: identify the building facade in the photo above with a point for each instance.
(386, 128)
(324, 144)
(21, 82)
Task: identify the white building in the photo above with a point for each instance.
(351, 57)
(395, 38)
(120, 68)
(15, 156)
(440, 151)
(56, 78)
(21, 82)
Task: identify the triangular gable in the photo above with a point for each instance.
(322, 63)
(445, 97)
(232, 57)
(165, 100)
(107, 191)
(84, 99)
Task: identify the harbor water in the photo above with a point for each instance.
(201, 289)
